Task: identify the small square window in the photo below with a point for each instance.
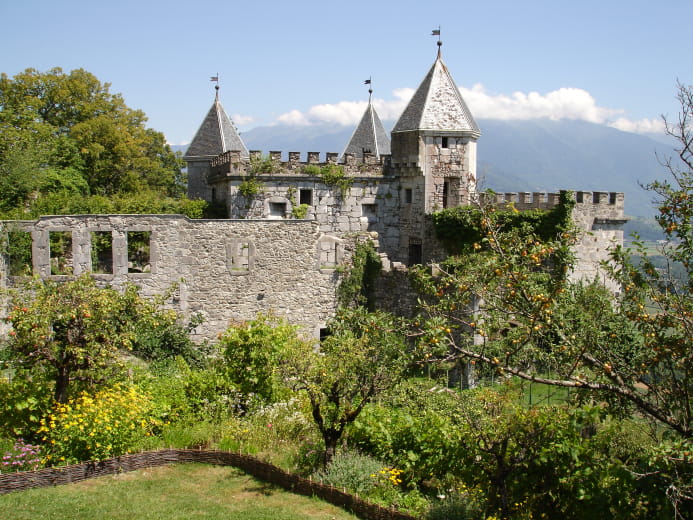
(305, 197)
(277, 209)
(370, 212)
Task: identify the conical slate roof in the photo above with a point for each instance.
(369, 136)
(216, 135)
(437, 105)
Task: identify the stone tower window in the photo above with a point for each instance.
(277, 210)
(305, 197)
(415, 253)
(369, 212)
(446, 190)
(445, 142)
(408, 195)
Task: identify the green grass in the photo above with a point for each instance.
(181, 491)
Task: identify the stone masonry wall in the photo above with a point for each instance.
(225, 269)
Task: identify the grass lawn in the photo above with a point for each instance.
(169, 492)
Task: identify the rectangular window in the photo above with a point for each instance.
(445, 142)
(19, 258)
(408, 195)
(305, 197)
(240, 255)
(415, 254)
(60, 252)
(328, 255)
(369, 211)
(446, 189)
(578, 196)
(277, 209)
(102, 252)
(139, 244)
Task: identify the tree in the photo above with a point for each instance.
(76, 331)
(364, 355)
(252, 351)
(508, 305)
(71, 123)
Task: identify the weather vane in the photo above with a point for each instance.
(370, 88)
(216, 80)
(436, 32)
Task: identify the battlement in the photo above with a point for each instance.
(232, 163)
(593, 201)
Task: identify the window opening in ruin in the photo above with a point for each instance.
(595, 197)
(139, 248)
(324, 333)
(445, 142)
(60, 252)
(578, 197)
(305, 197)
(102, 252)
(446, 189)
(214, 194)
(369, 211)
(328, 254)
(415, 254)
(408, 195)
(277, 209)
(19, 258)
(241, 255)
(612, 198)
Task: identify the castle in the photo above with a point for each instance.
(291, 224)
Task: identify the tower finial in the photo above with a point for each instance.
(370, 89)
(216, 87)
(436, 32)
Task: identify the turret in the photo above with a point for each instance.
(434, 154)
(216, 135)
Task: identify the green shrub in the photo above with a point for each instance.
(353, 471)
(251, 352)
(25, 400)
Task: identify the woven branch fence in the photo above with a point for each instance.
(21, 481)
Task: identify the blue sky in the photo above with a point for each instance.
(613, 62)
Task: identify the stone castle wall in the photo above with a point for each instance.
(223, 269)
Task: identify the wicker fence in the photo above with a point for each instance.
(262, 470)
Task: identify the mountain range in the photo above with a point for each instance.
(529, 155)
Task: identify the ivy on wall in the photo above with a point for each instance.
(461, 227)
(358, 284)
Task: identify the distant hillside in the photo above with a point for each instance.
(536, 155)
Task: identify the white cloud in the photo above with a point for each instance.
(642, 126)
(239, 119)
(564, 103)
(348, 112)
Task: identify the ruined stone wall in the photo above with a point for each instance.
(224, 269)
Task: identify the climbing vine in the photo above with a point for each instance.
(331, 174)
(358, 284)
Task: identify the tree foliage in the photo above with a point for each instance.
(364, 354)
(76, 331)
(66, 133)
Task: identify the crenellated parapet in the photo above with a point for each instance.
(232, 163)
(598, 204)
